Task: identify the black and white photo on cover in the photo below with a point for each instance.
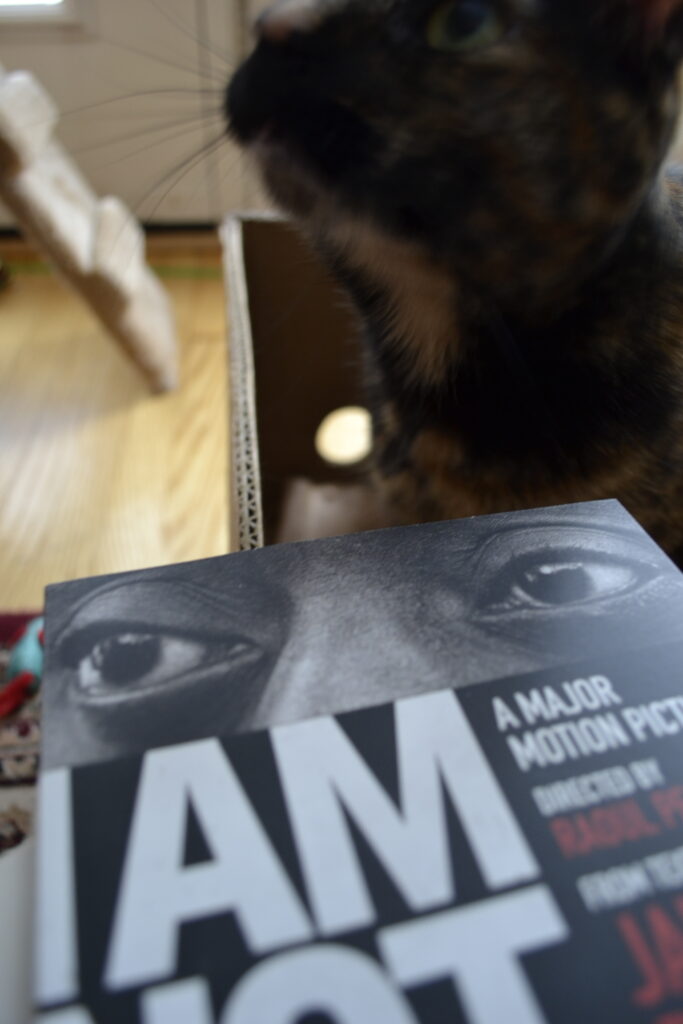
(267, 637)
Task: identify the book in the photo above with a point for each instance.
(411, 776)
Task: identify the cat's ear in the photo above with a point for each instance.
(657, 13)
(648, 33)
(662, 24)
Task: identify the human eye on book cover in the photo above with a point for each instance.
(414, 776)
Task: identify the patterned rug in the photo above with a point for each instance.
(20, 672)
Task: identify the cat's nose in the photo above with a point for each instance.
(277, 23)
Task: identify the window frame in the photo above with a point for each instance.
(66, 14)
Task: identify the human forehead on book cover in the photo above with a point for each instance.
(267, 637)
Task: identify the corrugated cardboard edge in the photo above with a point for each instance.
(246, 513)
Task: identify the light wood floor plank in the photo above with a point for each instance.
(96, 475)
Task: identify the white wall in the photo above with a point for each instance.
(129, 84)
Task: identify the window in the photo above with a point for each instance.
(30, 3)
(23, 12)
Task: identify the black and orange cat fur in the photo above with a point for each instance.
(485, 179)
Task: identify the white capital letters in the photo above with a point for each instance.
(505, 718)
(70, 1015)
(336, 981)
(179, 1002)
(158, 893)
(478, 947)
(56, 953)
(323, 774)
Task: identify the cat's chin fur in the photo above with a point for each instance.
(291, 186)
(420, 298)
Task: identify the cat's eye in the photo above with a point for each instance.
(462, 25)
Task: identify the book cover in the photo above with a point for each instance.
(421, 775)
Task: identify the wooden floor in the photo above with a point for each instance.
(97, 475)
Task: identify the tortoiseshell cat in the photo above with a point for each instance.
(484, 177)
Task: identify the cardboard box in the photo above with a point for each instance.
(294, 360)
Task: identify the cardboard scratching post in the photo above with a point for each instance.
(96, 244)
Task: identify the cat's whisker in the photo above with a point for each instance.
(194, 161)
(131, 96)
(236, 165)
(214, 182)
(186, 123)
(154, 115)
(177, 66)
(178, 180)
(186, 31)
(177, 174)
(235, 172)
(204, 61)
(180, 133)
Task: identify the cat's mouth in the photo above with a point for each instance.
(258, 129)
(301, 138)
(293, 178)
(291, 181)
